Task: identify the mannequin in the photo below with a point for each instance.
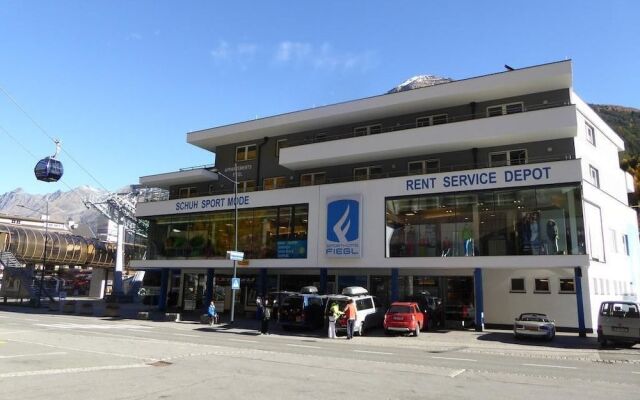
(552, 234)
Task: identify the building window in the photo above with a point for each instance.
(504, 109)
(246, 186)
(367, 130)
(567, 285)
(509, 157)
(438, 119)
(594, 175)
(517, 285)
(246, 153)
(277, 182)
(280, 144)
(590, 133)
(542, 285)
(625, 244)
(364, 173)
(424, 167)
(614, 240)
(595, 237)
(187, 192)
(314, 178)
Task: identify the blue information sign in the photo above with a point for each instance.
(235, 283)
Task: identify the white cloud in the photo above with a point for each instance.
(241, 53)
(321, 57)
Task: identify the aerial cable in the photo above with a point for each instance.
(50, 137)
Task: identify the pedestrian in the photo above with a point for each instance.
(266, 317)
(334, 314)
(213, 314)
(350, 314)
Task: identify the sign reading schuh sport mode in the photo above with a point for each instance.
(344, 216)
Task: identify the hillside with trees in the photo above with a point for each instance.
(626, 122)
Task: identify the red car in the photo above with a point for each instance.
(404, 317)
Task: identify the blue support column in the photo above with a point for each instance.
(208, 293)
(395, 284)
(582, 332)
(324, 273)
(479, 306)
(262, 289)
(164, 288)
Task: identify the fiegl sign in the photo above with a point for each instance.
(344, 226)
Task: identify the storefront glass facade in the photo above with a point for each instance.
(536, 221)
(270, 232)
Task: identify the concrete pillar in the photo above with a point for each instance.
(323, 280)
(395, 284)
(479, 306)
(582, 332)
(164, 287)
(117, 275)
(262, 284)
(208, 293)
(98, 282)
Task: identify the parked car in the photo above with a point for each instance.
(302, 310)
(369, 313)
(431, 307)
(405, 317)
(534, 325)
(619, 322)
(276, 301)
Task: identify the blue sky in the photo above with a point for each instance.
(122, 82)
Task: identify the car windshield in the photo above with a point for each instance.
(399, 309)
(534, 318)
(293, 302)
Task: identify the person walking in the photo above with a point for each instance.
(350, 314)
(334, 314)
(266, 317)
(213, 315)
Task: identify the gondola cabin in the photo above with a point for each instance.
(48, 170)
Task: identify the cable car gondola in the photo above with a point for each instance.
(49, 169)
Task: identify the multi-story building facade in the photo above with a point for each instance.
(500, 194)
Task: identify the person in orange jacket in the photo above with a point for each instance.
(350, 313)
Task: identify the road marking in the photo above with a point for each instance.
(71, 370)
(635, 372)
(243, 341)
(184, 334)
(454, 359)
(55, 353)
(456, 373)
(304, 346)
(549, 366)
(373, 352)
(94, 326)
(30, 319)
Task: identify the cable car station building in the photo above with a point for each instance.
(499, 194)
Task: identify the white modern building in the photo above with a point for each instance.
(500, 194)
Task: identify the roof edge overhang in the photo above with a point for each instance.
(533, 79)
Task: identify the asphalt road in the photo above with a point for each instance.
(53, 356)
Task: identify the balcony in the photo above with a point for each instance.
(542, 123)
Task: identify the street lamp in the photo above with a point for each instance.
(235, 241)
(45, 218)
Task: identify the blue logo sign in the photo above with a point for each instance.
(343, 227)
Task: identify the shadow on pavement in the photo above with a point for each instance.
(572, 341)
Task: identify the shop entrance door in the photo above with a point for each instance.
(193, 291)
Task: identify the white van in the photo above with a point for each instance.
(619, 322)
(369, 313)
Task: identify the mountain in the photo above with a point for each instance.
(62, 206)
(418, 82)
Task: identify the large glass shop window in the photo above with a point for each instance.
(541, 221)
(271, 232)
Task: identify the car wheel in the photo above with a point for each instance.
(603, 342)
(387, 332)
(516, 336)
(416, 333)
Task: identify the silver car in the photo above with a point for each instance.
(534, 325)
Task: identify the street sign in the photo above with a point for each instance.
(235, 283)
(235, 255)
